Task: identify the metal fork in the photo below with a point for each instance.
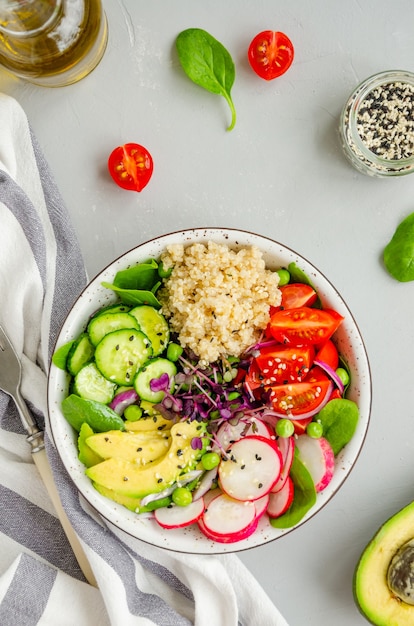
(10, 380)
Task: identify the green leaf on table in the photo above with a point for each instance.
(208, 64)
(399, 253)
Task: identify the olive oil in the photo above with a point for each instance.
(52, 42)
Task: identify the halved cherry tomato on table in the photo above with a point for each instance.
(295, 295)
(131, 166)
(304, 325)
(303, 399)
(270, 54)
(282, 364)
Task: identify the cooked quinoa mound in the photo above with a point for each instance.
(216, 299)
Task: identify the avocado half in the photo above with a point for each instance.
(373, 596)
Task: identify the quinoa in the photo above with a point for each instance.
(216, 299)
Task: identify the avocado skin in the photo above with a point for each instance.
(372, 595)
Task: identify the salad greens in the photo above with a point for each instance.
(138, 284)
(399, 253)
(208, 64)
(339, 419)
(304, 498)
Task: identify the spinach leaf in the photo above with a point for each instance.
(339, 419)
(100, 417)
(137, 284)
(141, 276)
(59, 358)
(135, 297)
(304, 498)
(208, 64)
(399, 253)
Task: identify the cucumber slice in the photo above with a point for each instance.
(90, 384)
(120, 354)
(154, 369)
(118, 307)
(101, 325)
(79, 354)
(154, 325)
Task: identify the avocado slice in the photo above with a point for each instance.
(86, 455)
(140, 448)
(373, 596)
(129, 479)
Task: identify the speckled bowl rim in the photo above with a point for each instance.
(94, 296)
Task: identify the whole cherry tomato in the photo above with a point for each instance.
(270, 54)
(131, 166)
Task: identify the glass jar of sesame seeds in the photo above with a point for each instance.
(377, 125)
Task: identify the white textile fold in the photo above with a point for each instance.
(41, 274)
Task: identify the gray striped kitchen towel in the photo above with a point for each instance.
(41, 274)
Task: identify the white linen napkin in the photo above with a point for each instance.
(41, 274)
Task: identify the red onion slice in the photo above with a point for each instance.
(122, 400)
(331, 373)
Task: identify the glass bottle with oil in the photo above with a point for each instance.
(52, 43)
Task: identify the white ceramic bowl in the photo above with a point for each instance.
(349, 343)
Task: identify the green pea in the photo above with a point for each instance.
(133, 413)
(284, 428)
(174, 351)
(284, 277)
(233, 395)
(314, 430)
(210, 460)
(181, 496)
(227, 376)
(343, 375)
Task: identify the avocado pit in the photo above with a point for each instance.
(400, 575)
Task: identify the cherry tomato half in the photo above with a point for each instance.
(304, 325)
(270, 54)
(328, 354)
(281, 364)
(295, 295)
(131, 166)
(303, 398)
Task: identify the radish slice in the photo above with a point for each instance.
(287, 449)
(175, 516)
(228, 434)
(229, 537)
(228, 520)
(261, 505)
(250, 469)
(318, 457)
(280, 502)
